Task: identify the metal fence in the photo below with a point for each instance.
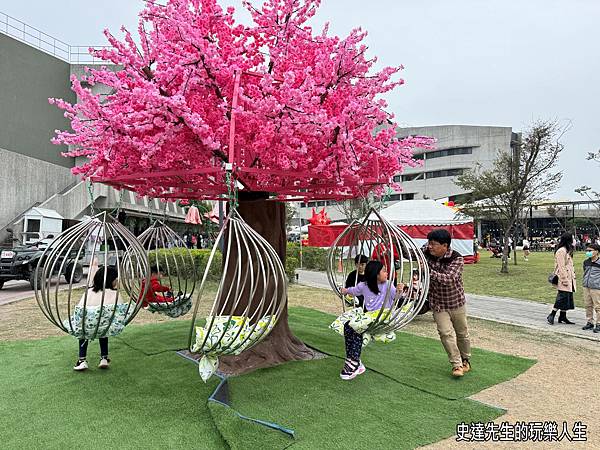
(73, 54)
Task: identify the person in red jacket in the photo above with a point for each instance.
(155, 286)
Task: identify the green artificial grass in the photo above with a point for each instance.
(153, 398)
(156, 338)
(241, 434)
(412, 360)
(140, 402)
(527, 280)
(371, 411)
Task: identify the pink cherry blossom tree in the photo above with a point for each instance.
(296, 112)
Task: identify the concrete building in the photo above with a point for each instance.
(458, 148)
(32, 170)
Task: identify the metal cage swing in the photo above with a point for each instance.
(378, 239)
(170, 256)
(250, 297)
(109, 296)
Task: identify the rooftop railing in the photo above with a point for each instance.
(73, 54)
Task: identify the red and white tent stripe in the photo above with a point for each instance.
(418, 217)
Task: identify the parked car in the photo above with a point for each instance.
(20, 262)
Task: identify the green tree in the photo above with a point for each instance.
(519, 177)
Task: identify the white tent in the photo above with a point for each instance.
(419, 217)
(423, 212)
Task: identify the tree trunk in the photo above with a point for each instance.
(504, 268)
(268, 219)
(515, 248)
(505, 251)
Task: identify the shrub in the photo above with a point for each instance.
(291, 264)
(180, 265)
(316, 258)
(293, 250)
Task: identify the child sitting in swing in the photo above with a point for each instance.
(103, 293)
(156, 289)
(375, 291)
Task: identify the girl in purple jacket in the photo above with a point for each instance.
(375, 292)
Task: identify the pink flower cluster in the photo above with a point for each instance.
(314, 110)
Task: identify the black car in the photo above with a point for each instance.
(19, 263)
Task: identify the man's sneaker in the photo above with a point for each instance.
(81, 365)
(466, 366)
(597, 329)
(457, 371)
(351, 370)
(104, 363)
(588, 326)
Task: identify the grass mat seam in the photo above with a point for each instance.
(427, 372)
(385, 375)
(214, 395)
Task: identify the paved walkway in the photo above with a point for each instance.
(14, 291)
(498, 309)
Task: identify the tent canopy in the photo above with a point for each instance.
(419, 217)
(423, 212)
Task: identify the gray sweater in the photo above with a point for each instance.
(591, 274)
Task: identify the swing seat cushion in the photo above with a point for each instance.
(360, 320)
(100, 318)
(230, 334)
(176, 308)
(227, 335)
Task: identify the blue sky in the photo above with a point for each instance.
(504, 63)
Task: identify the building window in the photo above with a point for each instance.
(410, 196)
(444, 173)
(394, 197)
(450, 152)
(419, 156)
(413, 176)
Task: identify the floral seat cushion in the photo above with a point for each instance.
(178, 307)
(226, 335)
(360, 320)
(100, 321)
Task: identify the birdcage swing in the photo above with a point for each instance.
(108, 299)
(251, 293)
(379, 239)
(168, 256)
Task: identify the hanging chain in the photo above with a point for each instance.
(232, 191)
(385, 197)
(165, 212)
(151, 216)
(90, 188)
(117, 209)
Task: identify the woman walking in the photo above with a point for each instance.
(563, 268)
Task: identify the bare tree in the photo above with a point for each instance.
(356, 208)
(522, 176)
(592, 195)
